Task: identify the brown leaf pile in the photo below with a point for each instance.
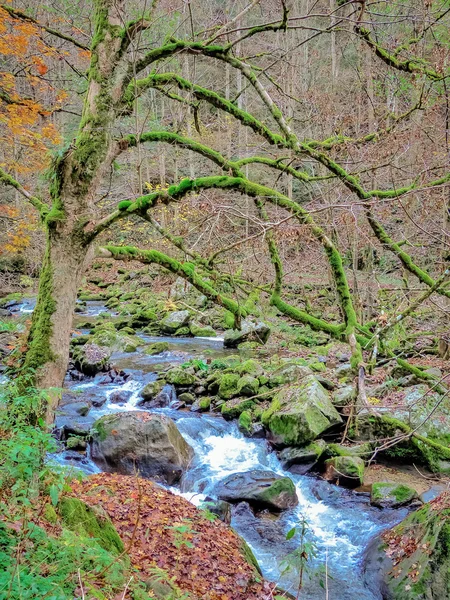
(208, 563)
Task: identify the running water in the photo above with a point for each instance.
(341, 523)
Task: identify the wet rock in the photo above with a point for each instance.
(220, 508)
(120, 396)
(250, 429)
(161, 400)
(391, 495)
(174, 321)
(180, 377)
(421, 572)
(198, 330)
(156, 348)
(262, 489)
(347, 471)
(433, 492)
(228, 385)
(151, 390)
(235, 407)
(140, 441)
(78, 408)
(75, 442)
(187, 398)
(247, 386)
(302, 460)
(250, 331)
(201, 405)
(107, 336)
(91, 359)
(300, 413)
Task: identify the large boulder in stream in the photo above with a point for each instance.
(250, 331)
(412, 560)
(91, 359)
(174, 321)
(139, 441)
(300, 413)
(261, 489)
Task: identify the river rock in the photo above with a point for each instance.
(302, 460)
(175, 321)
(433, 492)
(151, 390)
(120, 396)
(261, 489)
(180, 377)
(250, 331)
(91, 359)
(107, 336)
(248, 427)
(140, 441)
(198, 330)
(347, 471)
(156, 348)
(220, 508)
(247, 386)
(391, 495)
(414, 557)
(300, 413)
(290, 373)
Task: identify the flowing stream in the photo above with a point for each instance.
(341, 523)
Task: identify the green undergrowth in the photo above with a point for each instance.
(51, 545)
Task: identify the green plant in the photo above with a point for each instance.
(300, 559)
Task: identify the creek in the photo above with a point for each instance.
(341, 522)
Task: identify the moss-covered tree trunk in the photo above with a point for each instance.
(75, 178)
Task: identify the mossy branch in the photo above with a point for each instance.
(409, 65)
(185, 270)
(42, 207)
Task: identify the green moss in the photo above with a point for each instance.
(89, 521)
(233, 408)
(228, 386)
(204, 404)
(39, 352)
(245, 421)
(124, 204)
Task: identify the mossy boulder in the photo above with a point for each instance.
(115, 341)
(204, 404)
(300, 413)
(251, 331)
(290, 373)
(198, 330)
(90, 521)
(235, 407)
(248, 386)
(174, 321)
(156, 348)
(138, 441)
(261, 489)
(228, 386)
(187, 398)
(180, 377)
(391, 495)
(347, 471)
(182, 332)
(151, 390)
(344, 396)
(415, 555)
(250, 367)
(91, 359)
(302, 460)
